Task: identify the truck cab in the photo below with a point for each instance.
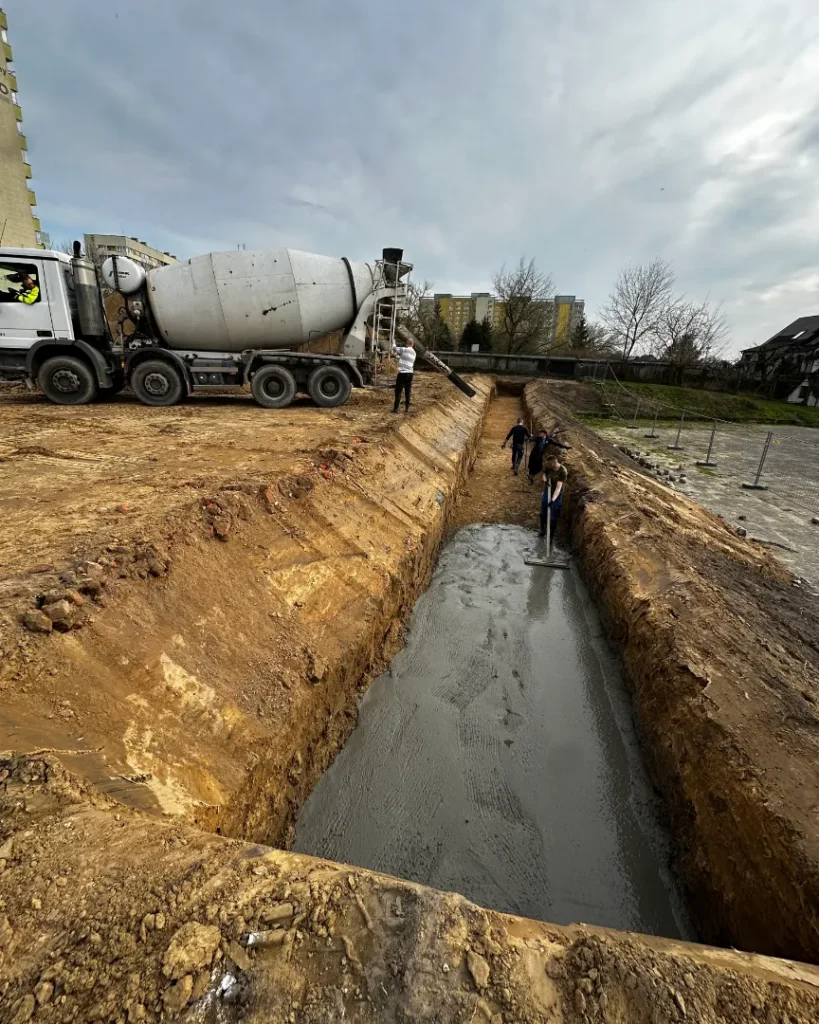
(45, 323)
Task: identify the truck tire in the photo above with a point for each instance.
(157, 382)
(274, 387)
(67, 380)
(329, 386)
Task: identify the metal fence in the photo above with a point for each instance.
(758, 458)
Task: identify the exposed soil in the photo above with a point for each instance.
(492, 493)
(723, 654)
(229, 614)
(207, 670)
(111, 915)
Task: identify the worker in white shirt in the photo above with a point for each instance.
(406, 368)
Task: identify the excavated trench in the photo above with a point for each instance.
(502, 754)
(497, 757)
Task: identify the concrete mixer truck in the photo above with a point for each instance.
(217, 321)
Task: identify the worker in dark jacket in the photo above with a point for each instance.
(518, 435)
(538, 452)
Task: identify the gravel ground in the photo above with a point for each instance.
(781, 516)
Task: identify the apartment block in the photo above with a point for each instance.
(19, 224)
(100, 246)
(568, 310)
(458, 310)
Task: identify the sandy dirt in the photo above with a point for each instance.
(81, 478)
(207, 671)
(225, 630)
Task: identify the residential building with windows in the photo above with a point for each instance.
(19, 224)
(458, 310)
(100, 246)
(568, 311)
(789, 360)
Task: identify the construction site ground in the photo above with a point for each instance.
(784, 517)
(226, 581)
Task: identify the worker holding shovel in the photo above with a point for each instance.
(555, 476)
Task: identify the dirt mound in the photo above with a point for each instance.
(109, 916)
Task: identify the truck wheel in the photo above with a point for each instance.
(274, 387)
(329, 386)
(67, 380)
(156, 382)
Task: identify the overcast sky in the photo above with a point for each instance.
(588, 134)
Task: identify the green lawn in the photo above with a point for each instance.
(701, 404)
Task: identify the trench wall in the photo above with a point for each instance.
(218, 686)
(719, 648)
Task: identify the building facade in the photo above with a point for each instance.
(100, 246)
(458, 310)
(567, 314)
(19, 224)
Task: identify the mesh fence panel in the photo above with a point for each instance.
(792, 470)
(789, 472)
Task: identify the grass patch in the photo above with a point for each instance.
(704, 405)
(705, 469)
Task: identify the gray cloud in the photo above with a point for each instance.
(587, 135)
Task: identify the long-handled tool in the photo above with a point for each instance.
(549, 561)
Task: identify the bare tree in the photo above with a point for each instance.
(601, 342)
(419, 311)
(67, 245)
(690, 334)
(527, 299)
(638, 303)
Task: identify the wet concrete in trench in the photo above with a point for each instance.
(497, 756)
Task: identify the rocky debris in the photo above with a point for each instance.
(37, 622)
(815, 521)
(239, 956)
(478, 968)
(281, 912)
(221, 527)
(24, 1010)
(176, 996)
(192, 947)
(741, 531)
(316, 667)
(58, 611)
(296, 487)
(267, 938)
(43, 992)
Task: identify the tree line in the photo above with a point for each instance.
(644, 317)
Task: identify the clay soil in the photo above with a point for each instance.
(205, 552)
(234, 598)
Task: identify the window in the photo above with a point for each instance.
(14, 98)
(20, 128)
(4, 35)
(19, 282)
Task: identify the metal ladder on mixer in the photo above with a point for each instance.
(385, 317)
